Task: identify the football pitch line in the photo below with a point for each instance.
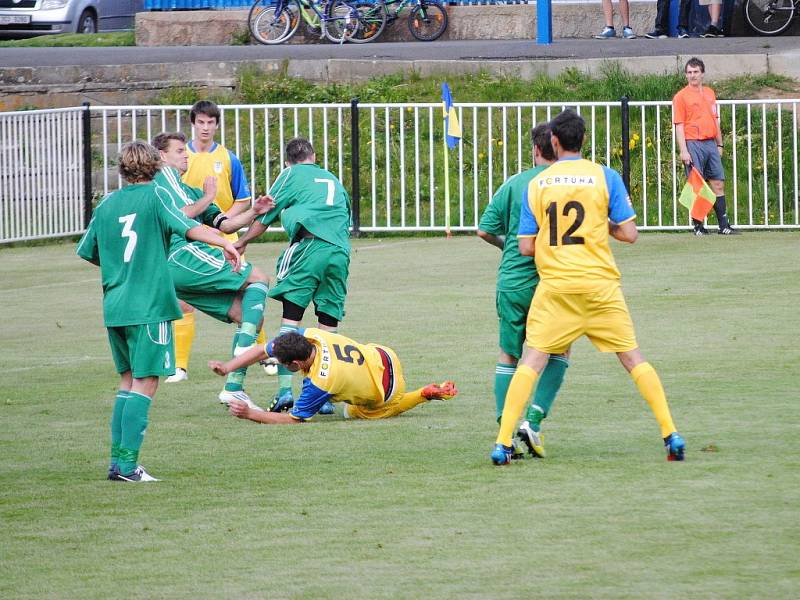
(55, 363)
(50, 285)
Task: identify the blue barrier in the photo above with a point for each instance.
(195, 4)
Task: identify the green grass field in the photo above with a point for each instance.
(411, 507)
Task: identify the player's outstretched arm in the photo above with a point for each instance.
(252, 356)
(242, 411)
(624, 232)
(256, 229)
(234, 223)
(212, 236)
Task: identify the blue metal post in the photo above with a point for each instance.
(544, 22)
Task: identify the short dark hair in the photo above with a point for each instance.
(138, 161)
(205, 107)
(162, 140)
(299, 150)
(290, 347)
(695, 62)
(541, 139)
(569, 127)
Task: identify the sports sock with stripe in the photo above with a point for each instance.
(133, 424)
(546, 390)
(253, 304)
(116, 424)
(503, 372)
(284, 374)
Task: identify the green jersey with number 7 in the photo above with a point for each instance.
(311, 198)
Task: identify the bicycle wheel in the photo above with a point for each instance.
(769, 17)
(273, 22)
(341, 21)
(371, 21)
(427, 21)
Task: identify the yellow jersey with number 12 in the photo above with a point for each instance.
(567, 208)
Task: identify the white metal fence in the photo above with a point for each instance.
(41, 174)
(400, 157)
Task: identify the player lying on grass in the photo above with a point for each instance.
(128, 238)
(368, 378)
(567, 214)
(202, 278)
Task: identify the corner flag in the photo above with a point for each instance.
(697, 196)
(452, 128)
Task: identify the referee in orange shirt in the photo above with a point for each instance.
(699, 136)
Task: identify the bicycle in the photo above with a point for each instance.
(770, 17)
(427, 20)
(277, 21)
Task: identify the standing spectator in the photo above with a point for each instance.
(661, 30)
(609, 31)
(714, 12)
(683, 18)
(699, 137)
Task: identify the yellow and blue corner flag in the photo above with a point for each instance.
(452, 128)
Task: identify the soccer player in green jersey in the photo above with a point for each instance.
(314, 210)
(202, 277)
(128, 238)
(516, 282)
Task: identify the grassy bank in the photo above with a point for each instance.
(74, 40)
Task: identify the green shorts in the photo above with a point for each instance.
(204, 279)
(512, 313)
(146, 350)
(313, 269)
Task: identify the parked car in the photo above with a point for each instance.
(25, 18)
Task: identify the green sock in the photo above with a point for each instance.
(134, 423)
(116, 425)
(284, 374)
(253, 303)
(503, 372)
(546, 389)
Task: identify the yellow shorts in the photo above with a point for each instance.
(387, 408)
(556, 319)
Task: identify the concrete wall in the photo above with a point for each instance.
(499, 22)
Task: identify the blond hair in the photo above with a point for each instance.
(138, 162)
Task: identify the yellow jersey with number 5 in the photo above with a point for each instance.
(567, 208)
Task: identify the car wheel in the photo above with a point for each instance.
(87, 23)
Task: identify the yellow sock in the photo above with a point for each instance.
(262, 338)
(184, 336)
(646, 379)
(519, 391)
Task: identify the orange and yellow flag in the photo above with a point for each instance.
(697, 196)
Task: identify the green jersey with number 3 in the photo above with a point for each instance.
(128, 237)
(308, 196)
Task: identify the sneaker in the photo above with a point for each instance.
(699, 230)
(682, 33)
(675, 446)
(281, 403)
(533, 440)
(440, 391)
(139, 475)
(180, 375)
(501, 455)
(655, 35)
(518, 450)
(113, 471)
(729, 231)
(712, 32)
(327, 409)
(270, 366)
(606, 34)
(627, 33)
(225, 398)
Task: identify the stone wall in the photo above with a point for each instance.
(498, 22)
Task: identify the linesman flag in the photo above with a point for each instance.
(452, 127)
(697, 196)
